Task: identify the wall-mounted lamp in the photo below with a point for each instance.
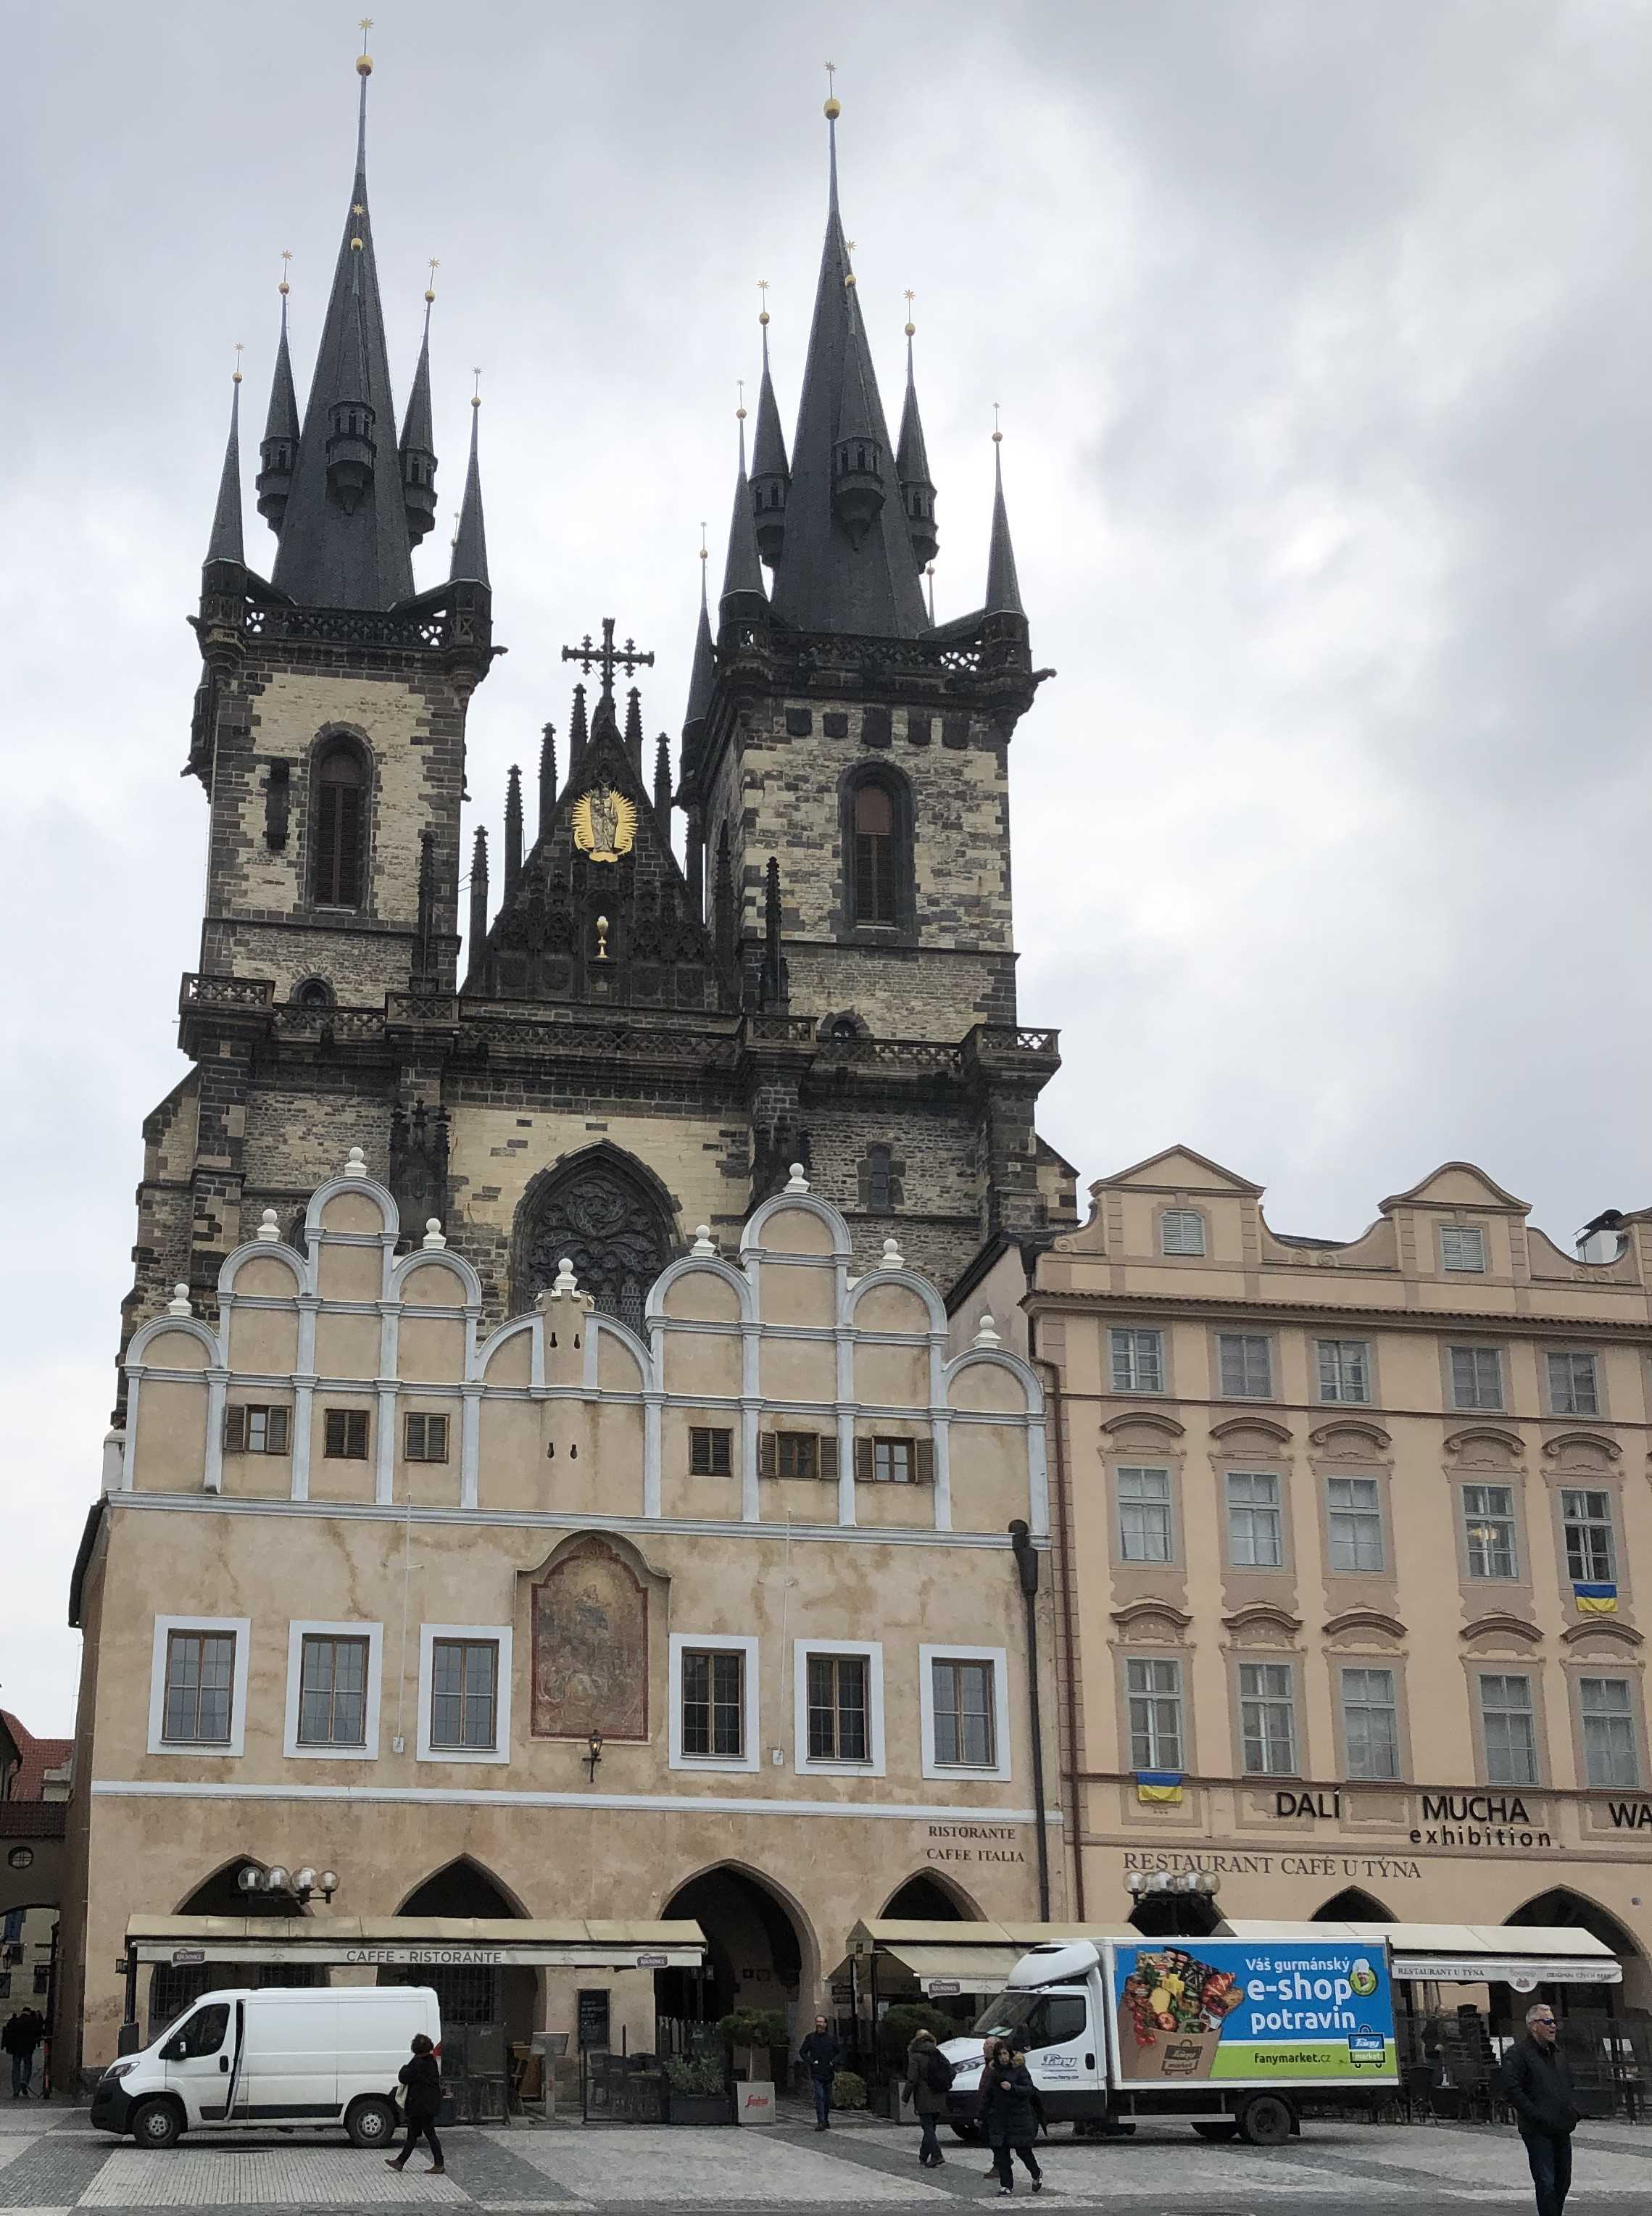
(593, 1755)
(300, 1884)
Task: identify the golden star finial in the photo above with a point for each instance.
(364, 25)
(287, 257)
(237, 362)
(430, 289)
(834, 106)
(705, 555)
(476, 397)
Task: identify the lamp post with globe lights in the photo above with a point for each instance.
(300, 1884)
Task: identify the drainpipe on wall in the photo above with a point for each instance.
(1060, 1508)
(1026, 1563)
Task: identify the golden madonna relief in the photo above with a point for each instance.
(605, 823)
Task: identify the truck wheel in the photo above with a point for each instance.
(156, 2124)
(1216, 2131)
(1266, 2121)
(370, 2121)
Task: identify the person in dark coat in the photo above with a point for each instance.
(1009, 2112)
(928, 2098)
(822, 2055)
(423, 2078)
(20, 2038)
(1538, 2086)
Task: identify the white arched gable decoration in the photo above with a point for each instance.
(264, 1250)
(1037, 1471)
(390, 1218)
(597, 1323)
(212, 1380)
(438, 1259)
(711, 1266)
(875, 1280)
(999, 1358)
(810, 1203)
(496, 1341)
(191, 1326)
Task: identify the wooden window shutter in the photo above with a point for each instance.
(278, 1432)
(828, 1456)
(863, 1461)
(235, 1430)
(435, 1429)
(766, 1455)
(334, 1442)
(924, 1461)
(414, 1441)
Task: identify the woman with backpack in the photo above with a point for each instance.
(928, 2081)
(1009, 2112)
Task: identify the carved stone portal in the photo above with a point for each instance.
(589, 1616)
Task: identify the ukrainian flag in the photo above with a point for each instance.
(1158, 1785)
(1595, 1600)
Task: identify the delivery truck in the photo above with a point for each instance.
(1228, 2036)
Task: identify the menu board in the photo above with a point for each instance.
(1260, 2012)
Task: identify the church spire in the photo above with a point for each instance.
(280, 444)
(344, 541)
(846, 564)
(1003, 587)
(225, 545)
(912, 465)
(742, 571)
(703, 675)
(469, 559)
(418, 448)
(770, 475)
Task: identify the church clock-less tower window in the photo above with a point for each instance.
(339, 872)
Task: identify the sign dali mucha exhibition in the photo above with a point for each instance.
(1268, 2012)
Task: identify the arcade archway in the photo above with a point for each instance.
(1353, 1904)
(471, 1994)
(1561, 1909)
(927, 1898)
(759, 1950)
(174, 1985)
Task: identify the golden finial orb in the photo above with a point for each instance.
(237, 374)
(834, 106)
(363, 59)
(287, 257)
(430, 289)
(832, 110)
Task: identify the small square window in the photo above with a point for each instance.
(426, 1438)
(797, 1453)
(891, 1462)
(1182, 1231)
(711, 1450)
(1572, 1389)
(1463, 1247)
(1477, 1377)
(1344, 1371)
(1137, 1361)
(1247, 1366)
(250, 1430)
(345, 1434)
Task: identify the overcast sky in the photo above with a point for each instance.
(1321, 332)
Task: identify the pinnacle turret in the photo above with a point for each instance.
(742, 571)
(418, 447)
(912, 470)
(469, 560)
(770, 477)
(224, 543)
(703, 675)
(1003, 587)
(278, 450)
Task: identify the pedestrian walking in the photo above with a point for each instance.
(928, 2082)
(1539, 2085)
(1007, 2109)
(822, 2055)
(20, 2038)
(423, 2078)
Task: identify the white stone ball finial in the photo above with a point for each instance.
(797, 1182)
(703, 1244)
(267, 1226)
(986, 1332)
(433, 1239)
(179, 1303)
(567, 1284)
(893, 1257)
(355, 1163)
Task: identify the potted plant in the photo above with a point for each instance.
(754, 2033)
(699, 2092)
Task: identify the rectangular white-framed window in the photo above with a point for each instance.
(713, 1702)
(1585, 1520)
(1371, 1724)
(1267, 1719)
(1255, 1520)
(334, 1677)
(1145, 1526)
(1463, 1249)
(964, 1711)
(265, 1430)
(1245, 1364)
(1507, 1729)
(838, 1706)
(1477, 1377)
(1344, 1371)
(1353, 1524)
(1182, 1231)
(1137, 1361)
(1488, 1532)
(465, 1692)
(1611, 1756)
(1573, 1384)
(198, 1685)
(1153, 1691)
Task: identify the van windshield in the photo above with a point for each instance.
(1033, 2020)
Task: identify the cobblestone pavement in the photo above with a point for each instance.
(52, 2162)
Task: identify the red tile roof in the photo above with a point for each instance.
(39, 1755)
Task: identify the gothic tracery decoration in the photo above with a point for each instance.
(609, 1226)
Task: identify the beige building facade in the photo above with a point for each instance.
(1352, 1542)
(721, 1620)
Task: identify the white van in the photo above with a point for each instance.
(260, 2060)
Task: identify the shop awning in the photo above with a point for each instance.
(1521, 1955)
(884, 1936)
(943, 1969)
(418, 1942)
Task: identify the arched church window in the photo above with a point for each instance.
(314, 993)
(607, 1216)
(874, 855)
(338, 876)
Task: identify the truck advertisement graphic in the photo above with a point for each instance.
(1261, 2012)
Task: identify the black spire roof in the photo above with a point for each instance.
(225, 544)
(280, 446)
(418, 447)
(771, 477)
(912, 468)
(742, 572)
(469, 559)
(1003, 587)
(703, 675)
(344, 541)
(825, 578)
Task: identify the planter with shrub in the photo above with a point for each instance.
(699, 2092)
(754, 2035)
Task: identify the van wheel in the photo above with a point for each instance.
(156, 2124)
(1216, 2131)
(1266, 2121)
(370, 2122)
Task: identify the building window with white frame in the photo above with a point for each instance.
(200, 1706)
(1585, 1520)
(1137, 1361)
(1344, 1371)
(464, 1695)
(1463, 1249)
(1573, 1385)
(1611, 1756)
(1488, 1532)
(1255, 1520)
(1477, 1377)
(1144, 1515)
(838, 1708)
(1153, 1689)
(1267, 1719)
(1371, 1724)
(253, 1430)
(1507, 1729)
(1245, 1364)
(1354, 1518)
(713, 1702)
(1182, 1231)
(965, 1714)
(332, 1691)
